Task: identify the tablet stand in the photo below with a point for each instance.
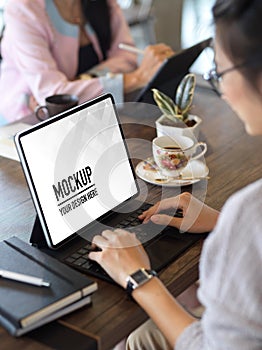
(37, 238)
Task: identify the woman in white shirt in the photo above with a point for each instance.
(230, 266)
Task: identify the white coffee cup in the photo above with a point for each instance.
(173, 154)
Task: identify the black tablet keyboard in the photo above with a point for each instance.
(146, 233)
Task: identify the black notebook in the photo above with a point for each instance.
(24, 307)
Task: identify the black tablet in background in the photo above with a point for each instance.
(169, 74)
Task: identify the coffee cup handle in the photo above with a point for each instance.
(38, 109)
(201, 144)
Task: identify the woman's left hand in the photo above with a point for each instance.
(121, 254)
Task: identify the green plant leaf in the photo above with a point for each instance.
(165, 103)
(185, 94)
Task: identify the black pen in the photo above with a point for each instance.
(15, 276)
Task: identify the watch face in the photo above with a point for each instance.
(139, 277)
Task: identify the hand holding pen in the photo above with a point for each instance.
(153, 57)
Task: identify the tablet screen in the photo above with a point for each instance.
(77, 168)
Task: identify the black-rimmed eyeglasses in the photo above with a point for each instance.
(214, 78)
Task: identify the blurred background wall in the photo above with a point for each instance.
(178, 23)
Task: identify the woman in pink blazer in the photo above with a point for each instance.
(42, 56)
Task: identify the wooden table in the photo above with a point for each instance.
(232, 165)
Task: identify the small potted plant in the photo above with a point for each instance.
(176, 119)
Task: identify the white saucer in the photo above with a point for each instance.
(148, 171)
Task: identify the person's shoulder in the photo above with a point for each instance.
(28, 3)
(237, 232)
(113, 4)
(241, 214)
(249, 197)
(24, 4)
(24, 7)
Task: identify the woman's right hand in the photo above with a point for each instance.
(154, 55)
(197, 216)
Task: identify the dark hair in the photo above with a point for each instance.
(96, 12)
(239, 31)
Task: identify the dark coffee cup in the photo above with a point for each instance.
(55, 104)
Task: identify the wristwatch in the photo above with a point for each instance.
(138, 278)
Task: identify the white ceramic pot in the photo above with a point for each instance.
(168, 130)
